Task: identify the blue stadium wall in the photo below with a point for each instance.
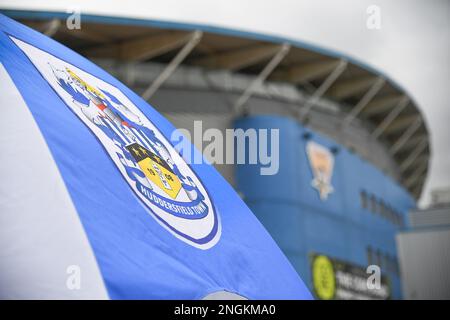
(338, 227)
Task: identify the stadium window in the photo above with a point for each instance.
(381, 207)
(373, 204)
(393, 264)
(378, 258)
(363, 198)
(369, 256)
(390, 215)
(377, 208)
(387, 212)
(395, 218)
(400, 219)
(386, 261)
(396, 266)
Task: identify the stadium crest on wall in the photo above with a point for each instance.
(321, 161)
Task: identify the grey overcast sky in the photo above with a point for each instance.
(412, 46)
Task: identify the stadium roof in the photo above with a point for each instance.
(362, 92)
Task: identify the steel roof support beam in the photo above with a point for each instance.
(382, 104)
(412, 147)
(88, 34)
(237, 59)
(405, 136)
(350, 87)
(390, 117)
(195, 38)
(322, 89)
(52, 27)
(412, 142)
(413, 155)
(362, 103)
(416, 175)
(414, 188)
(305, 71)
(421, 160)
(424, 158)
(143, 48)
(400, 124)
(418, 189)
(258, 81)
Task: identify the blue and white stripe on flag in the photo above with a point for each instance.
(92, 187)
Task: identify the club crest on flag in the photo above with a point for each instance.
(321, 161)
(163, 181)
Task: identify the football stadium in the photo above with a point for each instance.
(354, 146)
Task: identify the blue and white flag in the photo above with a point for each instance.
(96, 203)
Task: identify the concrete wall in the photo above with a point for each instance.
(425, 263)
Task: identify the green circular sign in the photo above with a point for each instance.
(324, 280)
